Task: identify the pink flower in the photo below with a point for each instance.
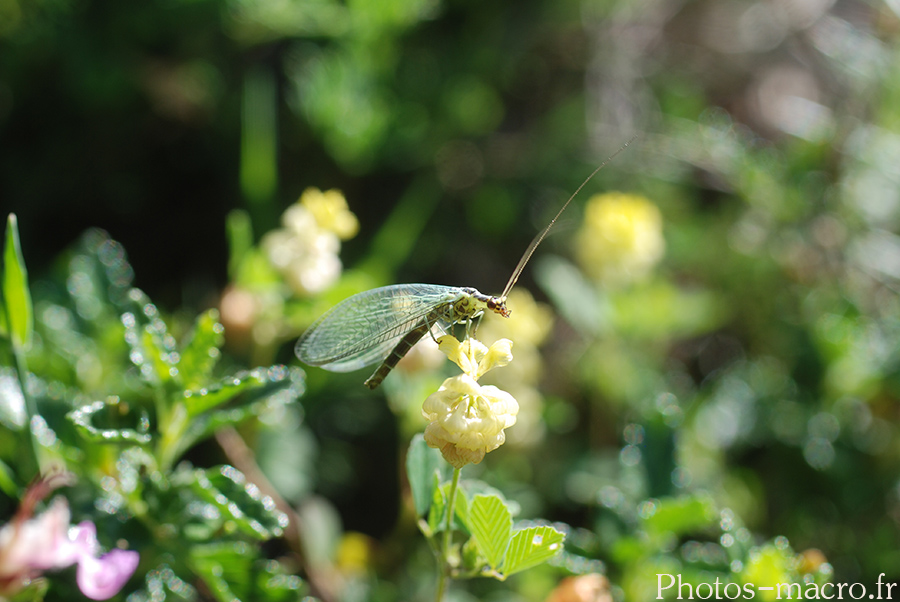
(29, 546)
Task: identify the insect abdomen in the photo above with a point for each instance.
(402, 348)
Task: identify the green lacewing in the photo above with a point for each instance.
(382, 324)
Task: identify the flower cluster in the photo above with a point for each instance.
(466, 420)
(305, 251)
(29, 546)
(621, 238)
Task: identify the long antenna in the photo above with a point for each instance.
(543, 233)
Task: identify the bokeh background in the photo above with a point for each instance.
(714, 322)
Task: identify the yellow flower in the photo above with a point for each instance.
(331, 212)
(621, 238)
(354, 553)
(529, 325)
(473, 357)
(466, 420)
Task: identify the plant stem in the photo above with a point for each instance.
(30, 410)
(444, 569)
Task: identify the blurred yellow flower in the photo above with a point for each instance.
(621, 238)
(354, 553)
(530, 322)
(466, 420)
(330, 210)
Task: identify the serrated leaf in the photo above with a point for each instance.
(201, 352)
(16, 296)
(240, 503)
(86, 418)
(490, 523)
(266, 388)
(422, 464)
(153, 349)
(245, 388)
(531, 547)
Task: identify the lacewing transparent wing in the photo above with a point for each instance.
(384, 323)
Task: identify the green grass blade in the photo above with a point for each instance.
(16, 298)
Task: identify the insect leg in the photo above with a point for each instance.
(472, 325)
(412, 337)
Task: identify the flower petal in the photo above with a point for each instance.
(39, 543)
(457, 352)
(499, 355)
(84, 536)
(102, 578)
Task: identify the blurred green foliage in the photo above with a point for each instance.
(731, 414)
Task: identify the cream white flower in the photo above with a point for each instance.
(306, 249)
(466, 420)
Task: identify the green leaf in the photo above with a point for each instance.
(461, 509)
(243, 507)
(16, 297)
(8, 482)
(437, 516)
(245, 388)
(490, 523)
(201, 352)
(573, 296)
(248, 395)
(153, 349)
(629, 549)
(86, 417)
(681, 515)
(531, 547)
(233, 571)
(658, 309)
(224, 568)
(422, 464)
(163, 585)
(239, 230)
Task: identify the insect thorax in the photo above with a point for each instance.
(471, 303)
